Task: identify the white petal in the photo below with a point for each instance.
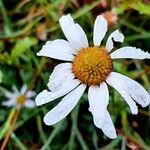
(73, 32)
(65, 106)
(57, 83)
(130, 52)
(130, 88)
(98, 100)
(108, 127)
(9, 103)
(129, 100)
(30, 94)
(82, 35)
(61, 45)
(23, 89)
(14, 88)
(118, 86)
(61, 74)
(29, 103)
(57, 49)
(117, 37)
(9, 95)
(46, 96)
(61, 67)
(100, 29)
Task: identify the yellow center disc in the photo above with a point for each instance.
(92, 65)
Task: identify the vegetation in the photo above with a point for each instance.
(25, 26)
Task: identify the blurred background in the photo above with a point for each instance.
(25, 26)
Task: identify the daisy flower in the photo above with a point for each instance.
(15, 97)
(89, 67)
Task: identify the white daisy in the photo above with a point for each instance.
(89, 67)
(15, 97)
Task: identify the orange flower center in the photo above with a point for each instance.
(92, 65)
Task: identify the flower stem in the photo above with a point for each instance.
(51, 137)
(16, 115)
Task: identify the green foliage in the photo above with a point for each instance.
(1, 76)
(137, 5)
(23, 22)
(9, 76)
(22, 45)
(5, 58)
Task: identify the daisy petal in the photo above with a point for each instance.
(130, 52)
(15, 90)
(61, 74)
(30, 94)
(57, 49)
(9, 103)
(117, 37)
(9, 94)
(56, 83)
(130, 88)
(29, 103)
(46, 96)
(100, 29)
(82, 35)
(130, 101)
(118, 86)
(98, 100)
(65, 106)
(23, 89)
(74, 33)
(60, 68)
(108, 127)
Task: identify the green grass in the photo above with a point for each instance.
(20, 39)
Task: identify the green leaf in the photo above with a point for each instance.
(137, 5)
(141, 7)
(5, 58)
(9, 75)
(21, 46)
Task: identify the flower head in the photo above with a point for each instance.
(92, 65)
(89, 66)
(17, 97)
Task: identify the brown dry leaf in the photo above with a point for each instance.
(41, 32)
(111, 18)
(103, 3)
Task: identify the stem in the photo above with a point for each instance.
(82, 142)
(75, 132)
(19, 144)
(51, 137)
(74, 117)
(6, 126)
(112, 144)
(13, 122)
(40, 128)
(17, 112)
